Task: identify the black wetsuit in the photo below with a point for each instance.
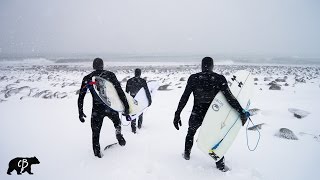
(204, 86)
(133, 86)
(99, 109)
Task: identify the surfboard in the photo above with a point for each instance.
(222, 123)
(107, 93)
(141, 97)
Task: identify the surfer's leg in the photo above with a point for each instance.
(114, 116)
(96, 124)
(140, 121)
(133, 126)
(221, 165)
(194, 124)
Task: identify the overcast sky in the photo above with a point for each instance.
(288, 27)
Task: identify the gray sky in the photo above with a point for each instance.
(288, 27)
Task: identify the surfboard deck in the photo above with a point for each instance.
(222, 123)
(141, 97)
(109, 96)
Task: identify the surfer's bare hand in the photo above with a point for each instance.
(82, 116)
(177, 121)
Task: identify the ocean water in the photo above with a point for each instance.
(219, 59)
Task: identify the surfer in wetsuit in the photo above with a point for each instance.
(133, 87)
(204, 85)
(99, 109)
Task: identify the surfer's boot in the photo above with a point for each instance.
(134, 130)
(121, 140)
(133, 126)
(140, 121)
(98, 154)
(221, 165)
(186, 155)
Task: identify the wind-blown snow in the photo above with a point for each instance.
(39, 117)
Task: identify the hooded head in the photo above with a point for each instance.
(207, 64)
(97, 64)
(137, 72)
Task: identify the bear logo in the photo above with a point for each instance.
(22, 165)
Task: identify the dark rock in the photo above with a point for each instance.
(280, 80)
(285, 133)
(267, 78)
(60, 95)
(286, 84)
(275, 87)
(3, 78)
(300, 80)
(256, 79)
(164, 87)
(21, 90)
(256, 127)
(183, 79)
(298, 113)
(272, 83)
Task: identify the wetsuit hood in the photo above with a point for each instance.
(207, 64)
(137, 72)
(97, 64)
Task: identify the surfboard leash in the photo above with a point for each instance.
(248, 137)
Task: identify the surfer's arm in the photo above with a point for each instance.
(229, 96)
(119, 90)
(82, 94)
(128, 86)
(185, 96)
(145, 86)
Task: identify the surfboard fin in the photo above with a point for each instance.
(213, 155)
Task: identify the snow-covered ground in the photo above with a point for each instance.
(39, 117)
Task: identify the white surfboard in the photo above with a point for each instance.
(222, 123)
(141, 97)
(109, 96)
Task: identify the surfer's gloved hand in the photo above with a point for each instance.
(126, 111)
(244, 115)
(177, 121)
(82, 116)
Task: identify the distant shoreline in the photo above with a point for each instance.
(168, 60)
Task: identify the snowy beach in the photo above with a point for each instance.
(39, 117)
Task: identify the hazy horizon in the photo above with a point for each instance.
(144, 27)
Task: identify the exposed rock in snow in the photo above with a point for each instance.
(286, 133)
(60, 95)
(164, 87)
(25, 90)
(256, 79)
(267, 79)
(256, 127)
(298, 113)
(275, 87)
(300, 80)
(280, 80)
(273, 83)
